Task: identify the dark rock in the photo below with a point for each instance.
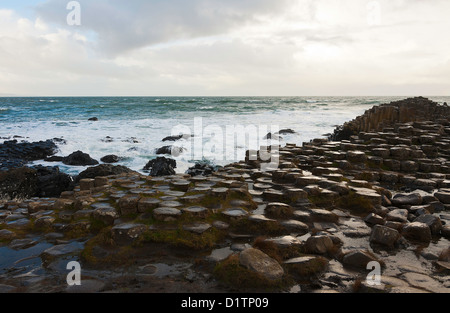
(202, 168)
(384, 235)
(432, 221)
(18, 183)
(172, 150)
(79, 158)
(319, 244)
(110, 159)
(272, 137)
(176, 138)
(417, 231)
(103, 170)
(51, 182)
(407, 199)
(358, 258)
(161, 167)
(14, 154)
(54, 159)
(93, 119)
(286, 131)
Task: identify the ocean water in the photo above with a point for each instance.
(133, 127)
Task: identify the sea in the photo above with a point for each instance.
(133, 128)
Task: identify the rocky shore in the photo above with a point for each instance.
(377, 191)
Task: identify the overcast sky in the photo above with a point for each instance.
(226, 48)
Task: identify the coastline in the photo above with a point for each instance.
(329, 209)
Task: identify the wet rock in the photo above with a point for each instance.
(60, 250)
(161, 167)
(18, 183)
(221, 225)
(383, 235)
(433, 221)
(319, 244)
(93, 119)
(259, 262)
(14, 154)
(235, 213)
(358, 258)
(79, 158)
(6, 234)
(22, 223)
(417, 231)
(126, 233)
(44, 221)
(18, 244)
(112, 158)
(424, 282)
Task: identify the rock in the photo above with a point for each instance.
(6, 234)
(172, 150)
(425, 282)
(296, 226)
(126, 233)
(18, 244)
(54, 159)
(6, 288)
(87, 184)
(235, 213)
(110, 159)
(197, 228)
(358, 258)
(161, 167)
(324, 216)
(87, 286)
(432, 221)
(286, 131)
(107, 214)
(306, 266)
(407, 199)
(374, 219)
(176, 138)
(44, 221)
(166, 214)
(277, 209)
(51, 182)
(21, 183)
(356, 157)
(319, 244)
(79, 158)
(128, 204)
(398, 215)
(259, 262)
(14, 154)
(60, 250)
(197, 211)
(103, 170)
(272, 137)
(93, 119)
(202, 168)
(417, 231)
(443, 196)
(147, 204)
(22, 223)
(384, 236)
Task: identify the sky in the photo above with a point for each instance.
(225, 48)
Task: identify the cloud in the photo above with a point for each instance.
(212, 47)
(126, 25)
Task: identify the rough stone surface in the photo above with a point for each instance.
(259, 262)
